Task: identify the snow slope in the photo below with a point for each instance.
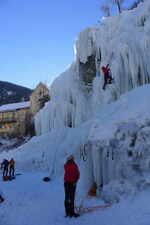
(132, 106)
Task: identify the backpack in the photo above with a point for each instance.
(46, 179)
(1, 199)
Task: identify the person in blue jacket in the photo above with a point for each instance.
(4, 165)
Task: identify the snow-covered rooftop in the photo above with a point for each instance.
(14, 106)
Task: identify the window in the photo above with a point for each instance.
(2, 126)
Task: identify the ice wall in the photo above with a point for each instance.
(112, 150)
(77, 97)
(123, 42)
(121, 164)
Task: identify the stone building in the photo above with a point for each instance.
(39, 97)
(15, 119)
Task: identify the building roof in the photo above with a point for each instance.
(14, 106)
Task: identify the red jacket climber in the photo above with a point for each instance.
(71, 177)
(106, 70)
(71, 171)
(107, 76)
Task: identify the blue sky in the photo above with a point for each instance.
(37, 37)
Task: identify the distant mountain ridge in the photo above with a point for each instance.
(12, 93)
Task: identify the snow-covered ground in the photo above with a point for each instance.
(30, 201)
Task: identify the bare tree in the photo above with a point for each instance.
(118, 3)
(105, 9)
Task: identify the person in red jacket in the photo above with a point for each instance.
(107, 76)
(71, 177)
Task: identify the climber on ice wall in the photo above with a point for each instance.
(107, 77)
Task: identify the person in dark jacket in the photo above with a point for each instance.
(4, 165)
(12, 168)
(71, 177)
(107, 76)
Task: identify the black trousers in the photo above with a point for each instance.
(11, 171)
(70, 189)
(107, 80)
(5, 171)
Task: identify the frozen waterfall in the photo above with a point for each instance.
(77, 97)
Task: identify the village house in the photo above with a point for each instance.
(39, 97)
(14, 119)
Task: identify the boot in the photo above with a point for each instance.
(67, 209)
(75, 214)
(72, 213)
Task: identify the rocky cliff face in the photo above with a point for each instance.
(87, 70)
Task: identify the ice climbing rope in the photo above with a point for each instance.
(84, 209)
(81, 209)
